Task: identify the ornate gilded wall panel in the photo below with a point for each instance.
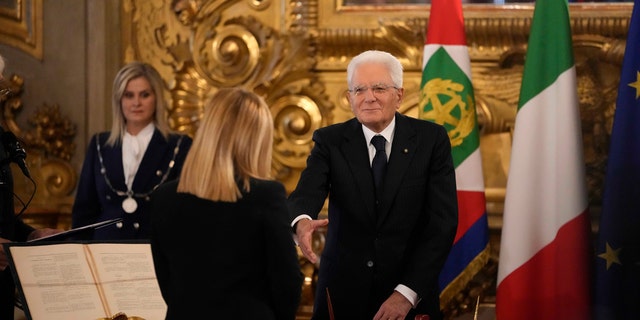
(200, 46)
(46, 197)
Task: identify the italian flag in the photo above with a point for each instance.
(447, 98)
(545, 252)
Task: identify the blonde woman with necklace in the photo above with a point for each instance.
(124, 166)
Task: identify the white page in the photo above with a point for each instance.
(57, 282)
(128, 279)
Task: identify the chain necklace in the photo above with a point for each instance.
(129, 204)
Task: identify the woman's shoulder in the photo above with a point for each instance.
(266, 187)
(104, 135)
(99, 138)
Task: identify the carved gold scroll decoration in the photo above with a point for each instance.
(49, 147)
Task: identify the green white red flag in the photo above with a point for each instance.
(544, 263)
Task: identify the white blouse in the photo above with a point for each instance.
(133, 149)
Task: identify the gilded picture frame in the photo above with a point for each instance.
(21, 25)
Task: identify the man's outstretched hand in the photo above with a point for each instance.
(304, 233)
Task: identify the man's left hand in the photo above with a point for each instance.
(396, 307)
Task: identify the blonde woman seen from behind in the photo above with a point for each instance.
(220, 235)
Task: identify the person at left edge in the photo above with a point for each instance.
(12, 227)
(124, 166)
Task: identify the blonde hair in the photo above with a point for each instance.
(130, 71)
(232, 144)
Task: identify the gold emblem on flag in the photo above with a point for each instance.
(444, 104)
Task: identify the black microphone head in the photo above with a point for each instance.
(12, 145)
(15, 151)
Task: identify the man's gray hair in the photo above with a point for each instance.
(375, 56)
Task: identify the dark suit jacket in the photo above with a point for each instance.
(95, 201)
(372, 246)
(221, 260)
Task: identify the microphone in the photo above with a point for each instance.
(16, 152)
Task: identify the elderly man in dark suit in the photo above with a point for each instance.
(386, 242)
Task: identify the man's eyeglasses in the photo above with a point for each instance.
(378, 89)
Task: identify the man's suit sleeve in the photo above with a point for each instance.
(313, 186)
(433, 243)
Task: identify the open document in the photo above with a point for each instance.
(86, 281)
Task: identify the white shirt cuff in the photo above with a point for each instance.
(300, 217)
(411, 295)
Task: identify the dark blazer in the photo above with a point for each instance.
(221, 260)
(372, 246)
(95, 201)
